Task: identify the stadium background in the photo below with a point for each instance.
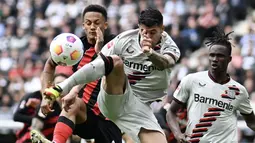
(28, 26)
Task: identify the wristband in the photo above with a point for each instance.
(149, 53)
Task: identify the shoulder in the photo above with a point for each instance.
(238, 87)
(129, 34)
(108, 37)
(83, 39)
(197, 75)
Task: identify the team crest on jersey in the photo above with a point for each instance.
(231, 93)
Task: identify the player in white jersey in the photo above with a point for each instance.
(136, 65)
(212, 98)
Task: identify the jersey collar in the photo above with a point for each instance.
(213, 79)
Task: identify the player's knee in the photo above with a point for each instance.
(73, 111)
(82, 113)
(117, 62)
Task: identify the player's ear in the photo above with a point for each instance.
(230, 59)
(162, 28)
(105, 25)
(83, 25)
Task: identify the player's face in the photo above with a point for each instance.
(92, 20)
(218, 59)
(153, 33)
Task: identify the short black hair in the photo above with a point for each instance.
(95, 8)
(150, 17)
(219, 37)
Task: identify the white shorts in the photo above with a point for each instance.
(128, 112)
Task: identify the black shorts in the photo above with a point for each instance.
(103, 131)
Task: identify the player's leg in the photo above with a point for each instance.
(151, 136)
(110, 66)
(67, 120)
(66, 123)
(107, 132)
(96, 127)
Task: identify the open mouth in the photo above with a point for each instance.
(214, 66)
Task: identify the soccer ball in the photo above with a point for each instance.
(66, 49)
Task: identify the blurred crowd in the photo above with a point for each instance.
(28, 26)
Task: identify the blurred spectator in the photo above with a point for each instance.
(55, 12)
(128, 15)
(191, 36)
(223, 12)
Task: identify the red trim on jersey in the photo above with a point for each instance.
(157, 47)
(89, 95)
(171, 55)
(87, 57)
(234, 88)
(24, 138)
(89, 88)
(199, 130)
(52, 120)
(226, 96)
(214, 80)
(96, 109)
(215, 109)
(209, 114)
(207, 119)
(48, 131)
(177, 101)
(194, 140)
(194, 135)
(136, 77)
(207, 124)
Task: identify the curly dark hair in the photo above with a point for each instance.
(150, 17)
(219, 37)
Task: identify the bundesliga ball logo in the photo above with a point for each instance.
(66, 49)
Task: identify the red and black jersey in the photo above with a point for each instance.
(90, 91)
(25, 114)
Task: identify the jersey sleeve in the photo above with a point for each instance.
(183, 90)
(113, 47)
(169, 47)
(244, 105)
(20, 114)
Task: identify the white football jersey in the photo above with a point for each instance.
(212, 107)
(147, 81)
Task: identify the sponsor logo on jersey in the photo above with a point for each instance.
(218, 103)
(140, 66)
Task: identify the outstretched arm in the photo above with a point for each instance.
(48, 74)
(171, 118)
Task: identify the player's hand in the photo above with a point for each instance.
(146, 44)
(32, 102)
(99, 40)
(68, 100)
(181, 139)
(46, 105)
